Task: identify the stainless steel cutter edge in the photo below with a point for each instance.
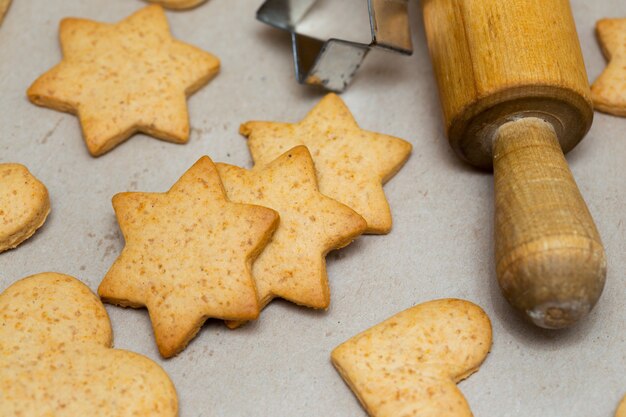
(332, 63)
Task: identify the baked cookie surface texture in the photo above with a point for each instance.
(408, 365)
(188, 256)
(24, 205)
(351, 163)
(124, 78)
(293, 265)
(608, 92)
(56, 357)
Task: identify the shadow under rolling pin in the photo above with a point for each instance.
(515, 96)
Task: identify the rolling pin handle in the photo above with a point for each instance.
(550, 261)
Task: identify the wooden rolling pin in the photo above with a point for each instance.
(515, 96)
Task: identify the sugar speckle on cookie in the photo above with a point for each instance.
(293, 264)
(409, 364)
(56, 357)
(124, 78)
(352, 164)
(188, 256)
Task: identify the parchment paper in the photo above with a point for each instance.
(441, 245)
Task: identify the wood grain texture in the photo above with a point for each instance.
(497, 60)
(549, 258)
(515, 96)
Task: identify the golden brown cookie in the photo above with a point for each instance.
(4, 6)
(56, 357)
(178, 4)
(351, 163)
(188, 256)
(621, 408)
(293, 264)
(409, 364)
(608, 92)
(24, 205)
(124, 78)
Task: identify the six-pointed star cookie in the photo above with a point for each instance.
(56, 357)
(351, 163)
(608, 92)
(188, 256)
(292, 266)
(125, 78)
(409, 364)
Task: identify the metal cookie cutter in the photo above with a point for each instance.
(332, 63)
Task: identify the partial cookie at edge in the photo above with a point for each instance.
(56, 346)
(608, 91)
(24, 205)
(4, 7)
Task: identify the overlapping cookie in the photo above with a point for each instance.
(608, 92)
(351, 163)
(24, 205)
(293, 265)
(124, 78)
(56, 357)
(188, 256)
(409, 364)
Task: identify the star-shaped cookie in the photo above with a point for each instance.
(293, 265)
(351, 163)
(409, 364)
(188, 256)
(608, 92)
(125, 78)
(56, 357)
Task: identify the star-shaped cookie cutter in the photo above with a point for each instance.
(333, 63)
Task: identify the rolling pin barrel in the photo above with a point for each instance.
(515, 96)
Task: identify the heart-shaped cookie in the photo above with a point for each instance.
(56, 357)
(409, 364)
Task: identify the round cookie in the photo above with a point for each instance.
(56, 357)
(24, 205)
